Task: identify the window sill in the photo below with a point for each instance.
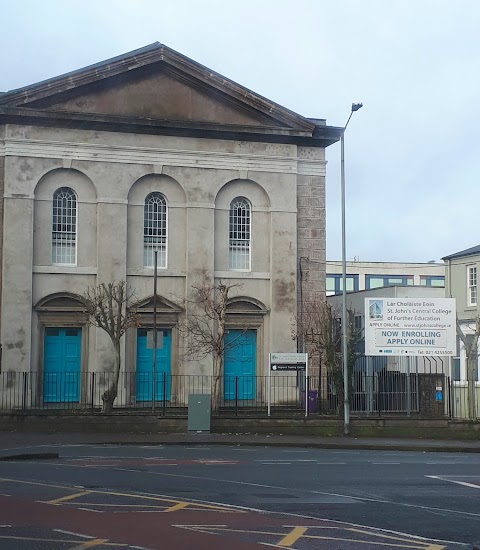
(149, 272)
(64, 269)
(241, 275)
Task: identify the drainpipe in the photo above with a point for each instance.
(301, 344)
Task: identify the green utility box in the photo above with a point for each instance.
(199, 412)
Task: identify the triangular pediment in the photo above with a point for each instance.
(163, 305)
(155, 83)
(159, 96)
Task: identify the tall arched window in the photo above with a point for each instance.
(64, 227)
(239, 251)
(155, 230)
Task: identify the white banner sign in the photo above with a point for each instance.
(410, 326)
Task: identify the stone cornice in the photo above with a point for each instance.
(165, 157)
(323, 136)
(311, 167)
(150, 58)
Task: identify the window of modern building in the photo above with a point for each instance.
(155, 230)
(64, 227)
(472, 285)
(456, 369)
(358, 323)
(432, 280)
(377, 281)
(334, 283)
(239, 235)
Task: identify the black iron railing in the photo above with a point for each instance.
(371, 394)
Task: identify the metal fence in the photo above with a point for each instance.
(378, 393)
(459, 399)
(141, 391)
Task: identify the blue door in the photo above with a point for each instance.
(240, 364)
(61, 365)
(144, 378)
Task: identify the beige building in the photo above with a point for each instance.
(152, 151)
(461, 283)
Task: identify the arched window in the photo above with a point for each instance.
(64, 227)
(239, 251)
(155, 230)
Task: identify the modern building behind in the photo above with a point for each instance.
(371, 275)
(356, 303)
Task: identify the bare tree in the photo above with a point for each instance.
(470, 343)
(107, 306)
(322, 332)
(204, 329)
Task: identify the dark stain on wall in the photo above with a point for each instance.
(284, 293)
(197, 194)
(14, 345)
(25, 170)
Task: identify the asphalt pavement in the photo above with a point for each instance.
(236, 490)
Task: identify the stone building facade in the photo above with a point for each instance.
(151, 150)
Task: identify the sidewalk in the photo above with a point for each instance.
(14, 442)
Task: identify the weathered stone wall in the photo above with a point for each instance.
(198, 177)
(311, 241)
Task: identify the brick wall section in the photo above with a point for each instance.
(311, 240)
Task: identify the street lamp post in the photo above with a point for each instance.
(346, 397)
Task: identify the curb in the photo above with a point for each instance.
(29, 456)
(307, 445)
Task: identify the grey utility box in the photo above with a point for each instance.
(199, 412)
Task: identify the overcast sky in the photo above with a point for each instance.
(412, 152)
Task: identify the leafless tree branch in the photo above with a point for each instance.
(108, 308)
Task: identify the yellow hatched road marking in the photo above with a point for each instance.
(178, 506)
(199, 505)
(293, 536)
(68, 497)
(62, 541)
(91, 544)
(422, 545)
(159, 507)
(175, 502)
(213, 529)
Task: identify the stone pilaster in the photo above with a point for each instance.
(311, 239)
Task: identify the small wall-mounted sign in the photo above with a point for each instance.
(288, 361)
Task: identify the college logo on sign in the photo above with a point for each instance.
(375, 309)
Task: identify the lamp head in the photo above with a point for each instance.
(356, 106)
